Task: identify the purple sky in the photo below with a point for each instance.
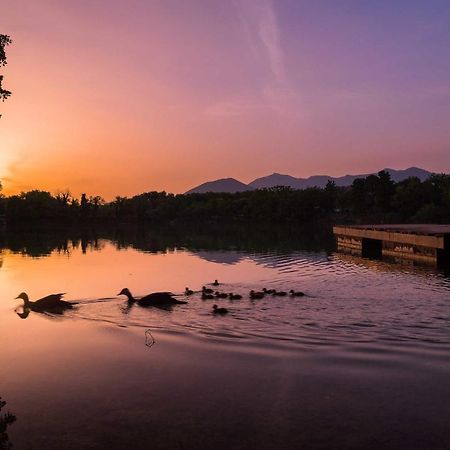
(115, 97)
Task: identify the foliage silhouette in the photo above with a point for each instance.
(4, 41)
(374, 199)
(5, 421)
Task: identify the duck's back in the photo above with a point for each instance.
(159, 298)
(51, 301)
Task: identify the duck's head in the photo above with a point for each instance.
(291, 291)
(125, 291)
(23, 296)
(215, 306)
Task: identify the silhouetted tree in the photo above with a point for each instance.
(331, 195)
(384, 191)
(63, 197)
(375, 199)
(4, 41)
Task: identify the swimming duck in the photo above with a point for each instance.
(234, 296)
(221, 294)
(292, 293)
(217, 310)
(256, 295)
(206, 296)
(153, 299)
(188, 291)
(216, 283)
(206, 290)
(48, 303)
(269, 291)
(280, 293)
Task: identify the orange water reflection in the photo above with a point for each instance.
(362, 339)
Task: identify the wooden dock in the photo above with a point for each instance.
(428, 244)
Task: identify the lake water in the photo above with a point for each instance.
(361, 361)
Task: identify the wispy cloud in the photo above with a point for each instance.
(270, 37)
(260, 26)
(272, 91)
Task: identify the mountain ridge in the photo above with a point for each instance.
(220, 185)
(232, 185)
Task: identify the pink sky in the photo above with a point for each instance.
(117, 98)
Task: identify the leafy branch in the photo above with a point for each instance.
(4, 41)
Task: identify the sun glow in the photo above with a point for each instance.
(240, 89)
(8, 157)
(5, 160)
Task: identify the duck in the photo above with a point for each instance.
(269, 291)
(206, 290)
(206, 296)
(221, 294)
(217, 310)
(256, 295)
(48, 303)
(280, 293)
(292, 293)
(216, 283)
(188, 291)
(153, 299)
(234, 296)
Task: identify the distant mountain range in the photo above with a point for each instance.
(232, 185)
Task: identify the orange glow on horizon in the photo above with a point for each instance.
(185, 95)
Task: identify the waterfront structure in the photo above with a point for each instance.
(426, 243)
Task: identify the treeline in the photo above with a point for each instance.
(375, 199)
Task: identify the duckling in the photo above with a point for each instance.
(153, 299)
(216, 283)
(234, 296)
(206, 296)
(217, 310)
(269, 291)
(221, 294)
(206, 290)
(280, 293)
(292, 293)
(48, 303)
(188, 291)
(256, 295)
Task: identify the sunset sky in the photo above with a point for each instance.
(120, 97)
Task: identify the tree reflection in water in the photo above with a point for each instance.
(6, 420)
(254, 238)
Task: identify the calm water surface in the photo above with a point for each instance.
(362, 361)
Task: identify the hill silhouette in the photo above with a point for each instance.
(232, 185)
(222, 185)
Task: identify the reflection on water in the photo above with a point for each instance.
(6, 420)
(361, 361)
(220, 241)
